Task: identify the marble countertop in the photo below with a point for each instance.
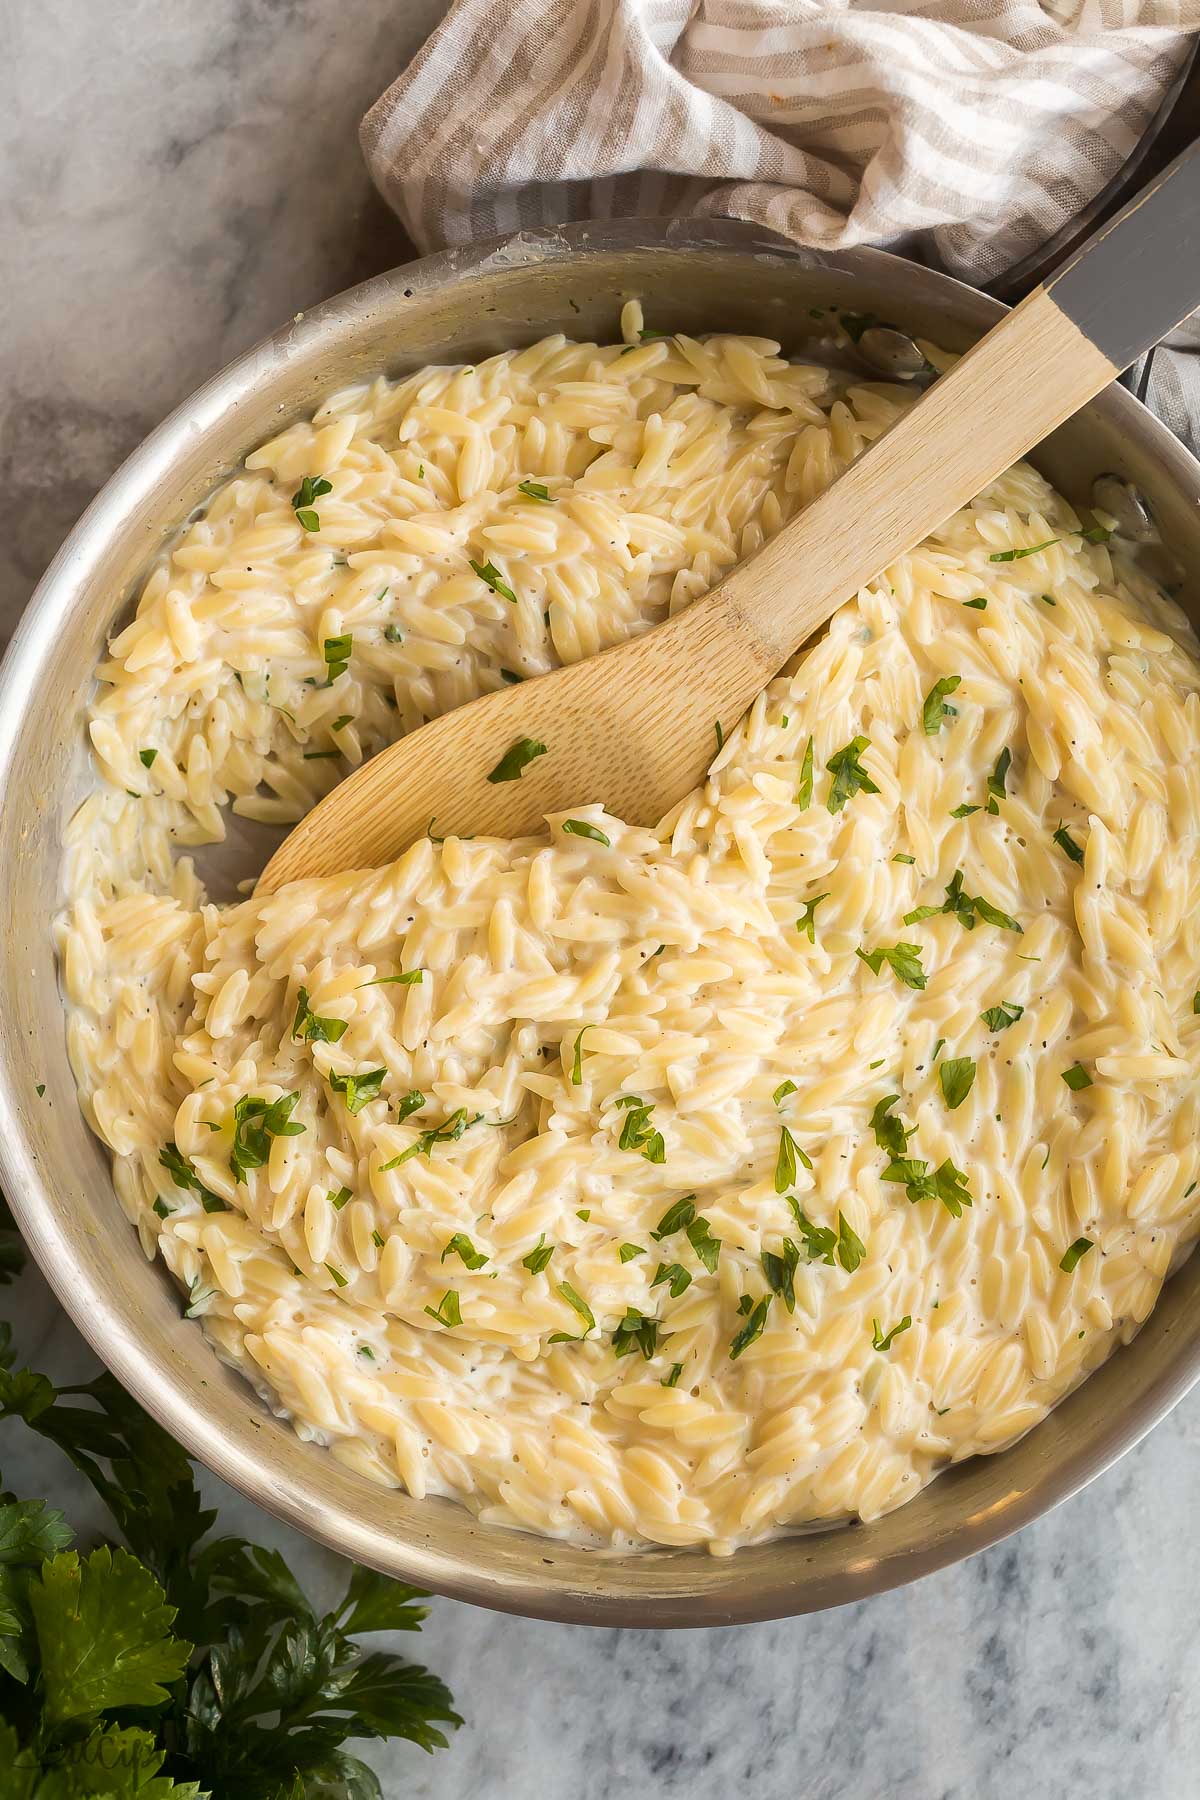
(180, 178)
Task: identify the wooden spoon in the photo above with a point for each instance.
(635, 727)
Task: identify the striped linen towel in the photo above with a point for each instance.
(963, 132)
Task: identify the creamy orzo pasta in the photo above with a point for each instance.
(651, 1186)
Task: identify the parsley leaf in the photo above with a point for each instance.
(884, 1340)
(312, 1029)
(637, 1133)
(672, 1380)
(448, 1132)
(849, 775)
(935, 710)
(447, 1312)
(461, 1246)
(358, 1090)
(539, 1256)
(255, 1123)
(516, 760)
(850, 1247)
(535, 490)
(785, 1162)
(706, 1246)
(998, 1018)
(947, 1184)
(675, 1274)
(584, 829)
(581, 1306)
(1077, 1077)
(1007, 556)
(780, 1271)
(490, 573)
(957, 1077)
(146, 758)
(407, 978)
(782, 1092)
(979, 604)
(337, 652)
(637, 1331)
(755, 1324)
(891, 1134)
(904, 960)
(806, 923)
(179, 1168)
(104, 1632)
(676, 1218)
(1073, 1254)
(627, 1252)
(313, 487)
(577, 1065)
(997, 781)
(820, 1242)
(804, 792)
(1067, 844)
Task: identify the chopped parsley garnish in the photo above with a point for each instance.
(636, 1332)
(782, 1091)
(339, 1280)
(627, 1252)
(785, 1161)
(516, 759)
(411, 1103)
(904, 960)
(146, 758)
(671, 1380)
(891, 1133)
(1049, 599)
(979, 604)
(1067, 844)
(1095, 534)
(718, 728)
(312, 488)
(535, 490)
(1077, 1077)
(780, 1271)
(341, 722)
(179, 1168)
(963, 812)
(357, 1090)
(935, 710)
(902, 856)
(806, 923)
(884, 1340)
(967, 908)
(393, 634)
(312, 1029)
(490, 573)
(321, 755)
(850, 1247)
(1073, 1253)
(539, 1256)
(637, 1133)
(461, 1246)
(582, 828)
(706, 1246)
(849, 775)
(577, 1065)
(957, 1077)
(580, 1305)
(804, 792)
(756, 1320)
(337, 652)
(820, 1242)
(946, 1183)
(675, 1274)
(447, 1311)
(338, 1197)
(676, 1218)
(408, 978)
(255, 1123)
(1007, 556)
(448, 1132)
(998, 780)
(998, 1018)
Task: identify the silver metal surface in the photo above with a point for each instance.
(464, 305)
(892, 354)
(1127, 507)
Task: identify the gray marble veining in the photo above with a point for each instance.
(180, 177)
